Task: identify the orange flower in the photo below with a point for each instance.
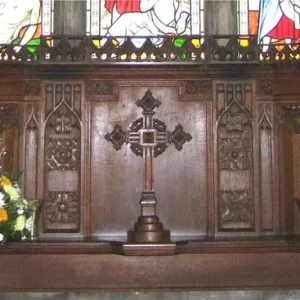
(5, 181)
(3, 215)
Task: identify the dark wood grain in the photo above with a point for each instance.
(237, 252)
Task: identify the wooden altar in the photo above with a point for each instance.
(228, 197)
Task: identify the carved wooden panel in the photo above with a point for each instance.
(234, 158)
(266, 174)
(63, 150)
(9, 136)
(180, 178)
(289, 163)
(101, 89)
(31, 150)
(191, 90)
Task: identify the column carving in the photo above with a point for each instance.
(63, 150)
(265, 135)
(31, 150)
(234, 156)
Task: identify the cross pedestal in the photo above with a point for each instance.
(148, 137)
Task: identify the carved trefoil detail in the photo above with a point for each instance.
(63, 152)
(234, 156)
(62, 210)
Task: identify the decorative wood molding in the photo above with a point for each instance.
(234, 152)
(63, 149)
(196, 90)
(8, 116)
(104, 90)
(264, 87)
(32, 88)
(205, 265)
(290, 113)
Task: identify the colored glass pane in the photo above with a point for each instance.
(144, 18)
(273, 21)
(20, 22)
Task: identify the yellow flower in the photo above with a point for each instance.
(4, 181)
(12, 192)
(3, 215)
(20, 223)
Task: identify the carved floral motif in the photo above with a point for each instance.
(194, 87)
(32, 89)
(62, 207)
(102, 88)
(62, 154)
(264, 87)
(235, 207)
(234, 154)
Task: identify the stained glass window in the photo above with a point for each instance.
(48, 17)
(248, 14)
(274, 21)
(20, 23)
(145, 18)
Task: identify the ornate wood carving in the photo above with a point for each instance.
(101, 90)
(264, 87)
(8, 116)
(193, 87)
(235, 207)
(63, 150)
(234, 156)
(196, 90)
(32, 88)
(267, 201)
(290, 113)
(62, 209)
(148, 138)
(8, 136)
(289, 145)
(31, 150)
(62, 154)
(195, 49)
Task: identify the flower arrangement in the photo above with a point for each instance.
(15, 218)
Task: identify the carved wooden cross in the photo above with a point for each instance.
(148, 137)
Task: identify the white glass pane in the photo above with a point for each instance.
(95, 17)
(15, 16)
(243, 15)
(143, 18)
(202, 22)
(88, 23)
(253, 4)
(195, 7)
(46, 17)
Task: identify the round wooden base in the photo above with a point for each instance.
(148, 229)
